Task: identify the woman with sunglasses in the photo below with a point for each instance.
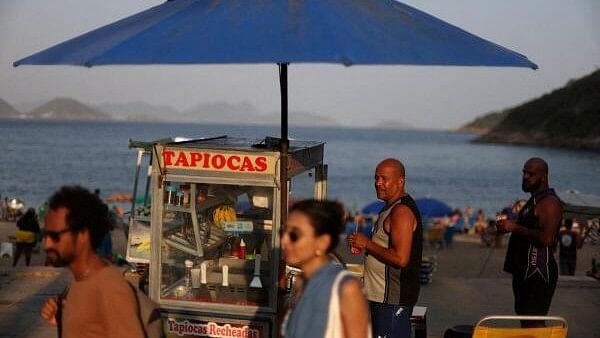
(332, 303)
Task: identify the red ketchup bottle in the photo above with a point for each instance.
(243, 250)
(235, 247)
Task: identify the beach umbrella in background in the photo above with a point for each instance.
(431, 207)
(348, 32)
(373, 208)
(580, 206)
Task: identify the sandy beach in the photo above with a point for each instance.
(469, 283)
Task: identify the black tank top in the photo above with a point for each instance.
(400, 285)
(523, 258)
(409, 276)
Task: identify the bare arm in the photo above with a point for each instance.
(49, 310)
(354, 310)
(401, 223)
(549, 214)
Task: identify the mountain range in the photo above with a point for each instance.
(210, 112)
(567, 117)
(8, 111)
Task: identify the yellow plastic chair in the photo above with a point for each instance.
(501, 329)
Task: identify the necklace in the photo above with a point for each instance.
(84, 274)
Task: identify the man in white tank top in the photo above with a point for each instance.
(392, 255)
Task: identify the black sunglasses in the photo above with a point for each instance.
(294, 236)
(54, 235)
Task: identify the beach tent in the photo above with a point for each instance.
(580, 206)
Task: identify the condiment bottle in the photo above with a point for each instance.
(186, 195)
(179, 198)
(225, 275)
(203, 272)
(235, 247)
(243, 250)
(189, 264)
(170, 194)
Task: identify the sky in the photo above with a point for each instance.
(561, 37)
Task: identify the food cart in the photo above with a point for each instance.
(215, 261)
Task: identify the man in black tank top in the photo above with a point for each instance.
(530, 254)
(392, 254)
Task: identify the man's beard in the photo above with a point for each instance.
(57, 260)
(534, 186)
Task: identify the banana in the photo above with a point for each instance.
(144, 247)
(223, 213)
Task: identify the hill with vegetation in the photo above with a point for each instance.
(567, 117)
(7, 111)
(485, 123)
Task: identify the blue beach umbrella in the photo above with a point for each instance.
(431, 207)
(373, 208)
(428, 207)
(348, 32)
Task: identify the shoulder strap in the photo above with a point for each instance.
(334, 328)
(138, 308)
(59, 312)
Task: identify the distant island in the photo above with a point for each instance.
(243, 113)
(568, 117)
(217, 112)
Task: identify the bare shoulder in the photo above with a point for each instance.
(403, 214)
(549, 204)
(113, 281)
(351, 286)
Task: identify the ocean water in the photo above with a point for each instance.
(38, 157)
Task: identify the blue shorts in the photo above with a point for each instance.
(390, 321)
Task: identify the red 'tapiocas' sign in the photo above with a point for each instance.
(218, 161)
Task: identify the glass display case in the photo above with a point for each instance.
(215, 262)
(217, 243)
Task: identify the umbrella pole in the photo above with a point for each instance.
(283, 177)
(284, 146)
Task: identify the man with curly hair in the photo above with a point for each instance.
(99, 302)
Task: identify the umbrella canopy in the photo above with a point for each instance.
(431, 207)
(280, 31)
(373, 208)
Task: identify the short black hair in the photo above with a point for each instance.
(326, 217)
(86, 211)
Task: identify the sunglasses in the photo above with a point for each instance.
(293, 235)
(54, 235)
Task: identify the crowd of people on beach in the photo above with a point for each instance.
(7, 213)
